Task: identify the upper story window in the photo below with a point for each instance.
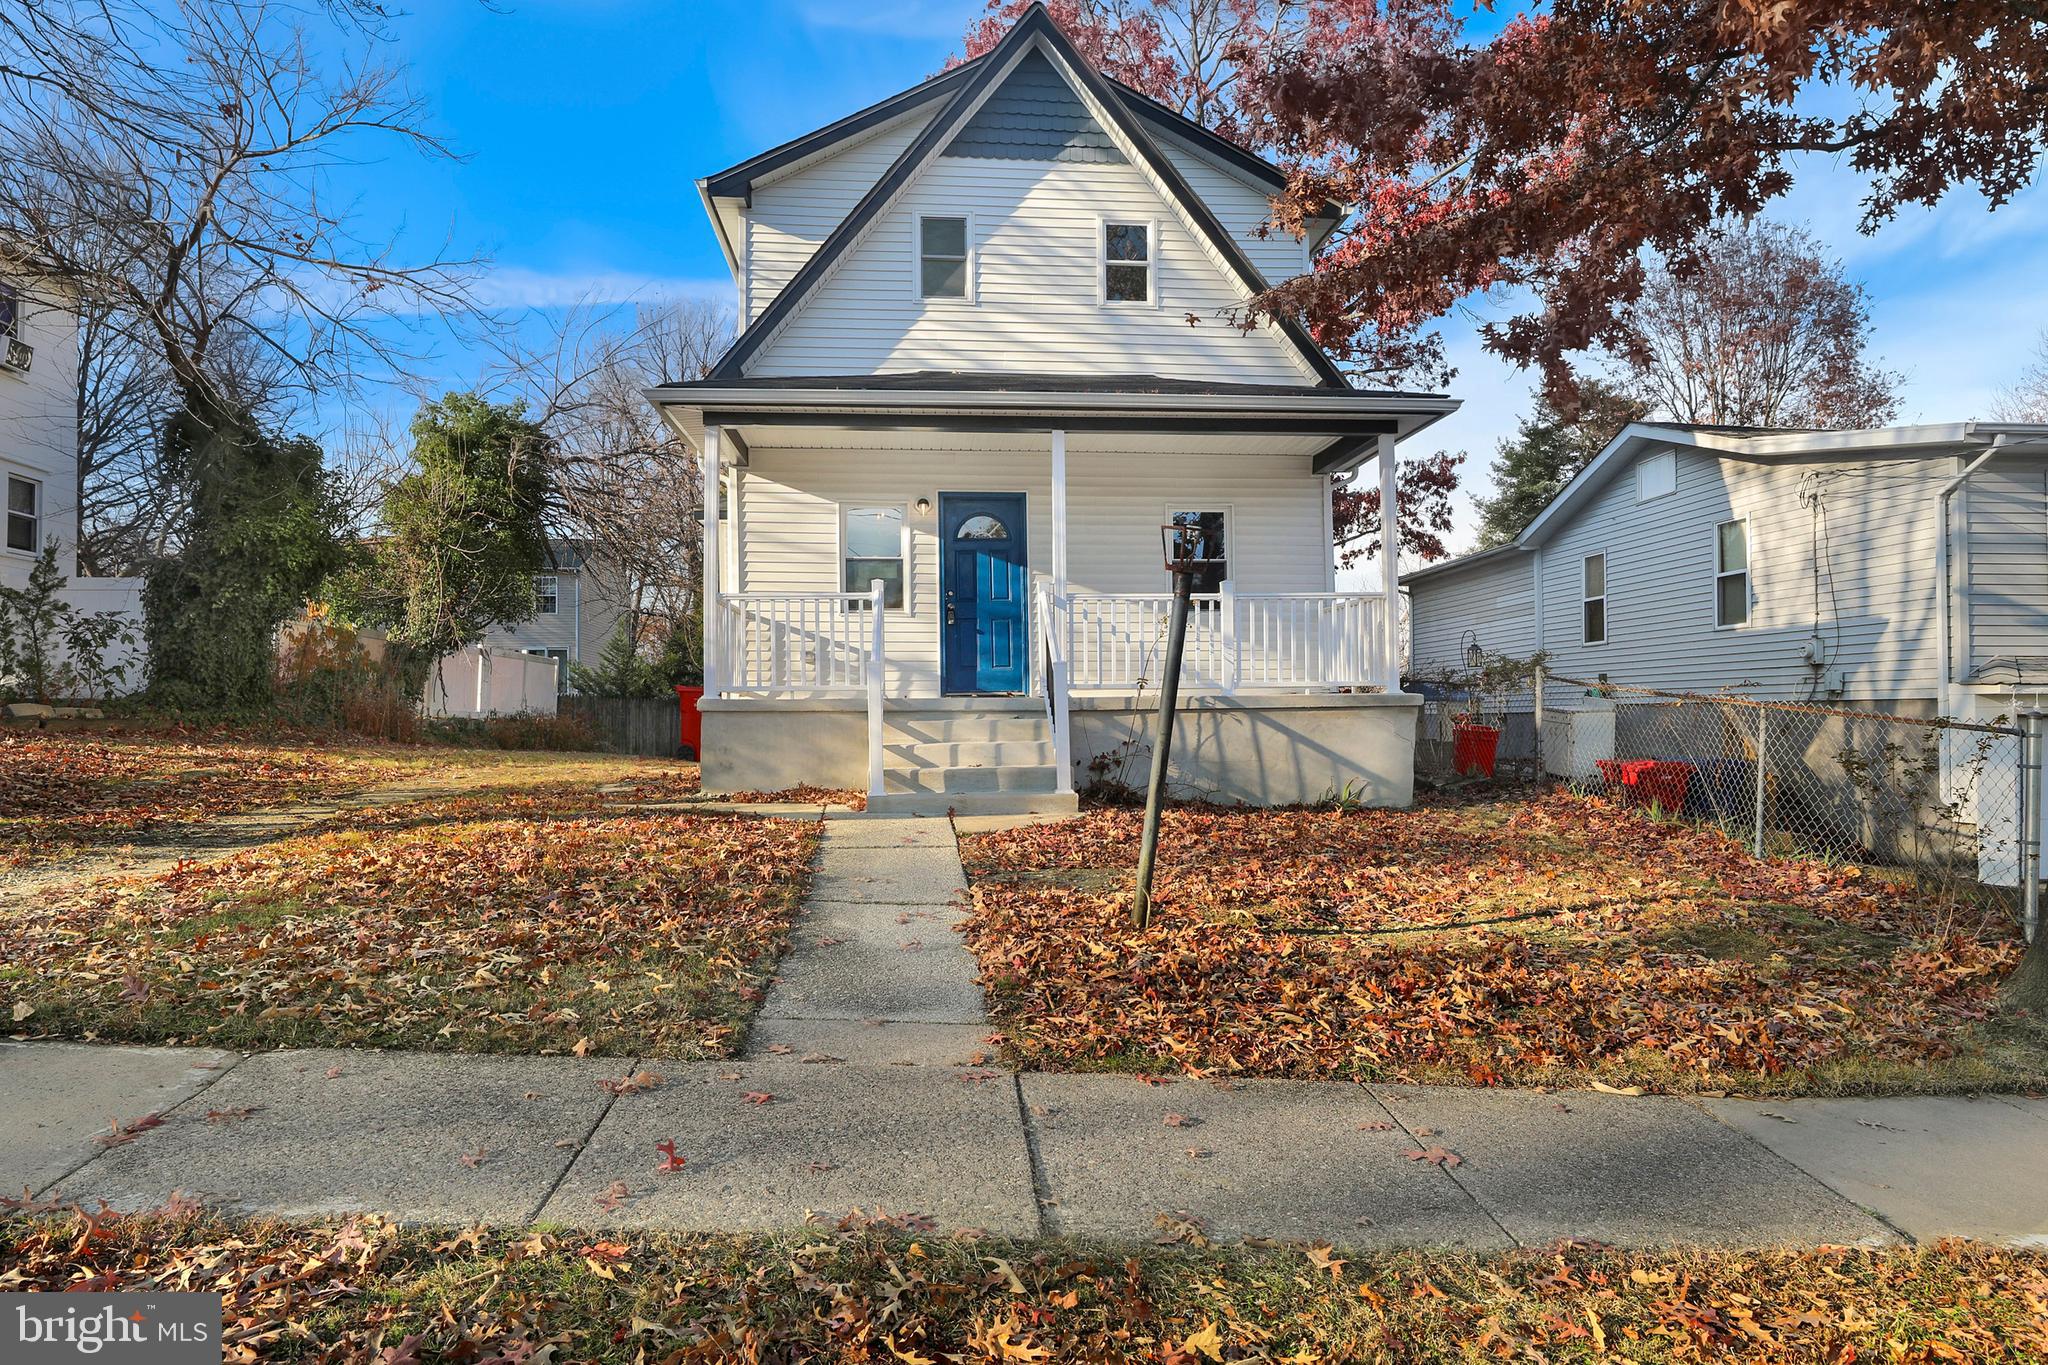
(10, 312)
(942, 259)
(547, 594)
(24, 513)
(1127, 262)
(1731, 573)
(1656, 476)
(1593, 600)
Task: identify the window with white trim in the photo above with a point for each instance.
(24, 514)
(1731, 573)
(10, 312)
(547, 594)
(1593, 600)
(943, 252)
(1127, 261)
(1656, 476)
(560, 658)
(871, 546)
(1212, 555)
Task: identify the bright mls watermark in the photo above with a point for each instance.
(119, 1329)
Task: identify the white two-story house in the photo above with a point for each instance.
(38, 425)
(989, 346)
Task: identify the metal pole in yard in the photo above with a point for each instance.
(1763, 717)
(1155, 794)
(2033, 805)
(1536, 685)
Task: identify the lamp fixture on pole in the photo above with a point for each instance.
(1182, 544)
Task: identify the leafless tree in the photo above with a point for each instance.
(170, 162)
(2026, 398)
(1755, 326)
(625, 488)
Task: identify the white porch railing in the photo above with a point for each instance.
(1236, 641)
(779, 644)
(799, 644)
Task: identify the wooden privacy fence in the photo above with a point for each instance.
(647, 726)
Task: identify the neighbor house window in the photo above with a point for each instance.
(547, 594)
(1127, 262)
(942, 271)
(10, 312)
(1593, 607)
(1212, 555)
(1731, 573)
(24, 514)
(871, 547)
(1656, 476)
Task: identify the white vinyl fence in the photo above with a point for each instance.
(492, 681)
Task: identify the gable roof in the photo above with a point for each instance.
(1034, 115)
(1761, 444)
(1035, 31)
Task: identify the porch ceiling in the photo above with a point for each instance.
(827, 437)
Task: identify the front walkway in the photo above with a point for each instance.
(869, 1085)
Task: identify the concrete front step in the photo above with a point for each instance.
(1011, 753)
(941, 781)
(964, 727)
(975, 803)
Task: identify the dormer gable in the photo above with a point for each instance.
(1037, 157)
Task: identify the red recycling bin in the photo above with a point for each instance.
(1473, 748)
(690, 726)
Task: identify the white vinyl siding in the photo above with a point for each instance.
(1036, 286)
(1493, 601)
(2005, 507)
(1241, 207)
(39, 431)
(790, 501)
(1871, 579)
(795, 211)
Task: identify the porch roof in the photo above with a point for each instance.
(1350, 420)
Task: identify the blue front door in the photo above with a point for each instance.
(984, 590)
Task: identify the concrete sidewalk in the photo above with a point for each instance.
(768, 1143)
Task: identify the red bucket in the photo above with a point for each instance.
(1473, 748)
(690, 721)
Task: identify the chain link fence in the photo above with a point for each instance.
(1953, 805)
(1942, 801)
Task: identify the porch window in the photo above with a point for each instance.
(1212, 556)
(871, 547)
(547, 594)
(24, 514)
(1731, 574)
(942, 254)
(1127, 262)
(1593, 606)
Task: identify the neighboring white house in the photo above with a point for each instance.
(39, 447)
(576, 613)
(989, 346)
(1903, 569)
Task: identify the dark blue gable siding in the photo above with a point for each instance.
(1034, 115)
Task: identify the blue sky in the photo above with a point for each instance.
(583, 124)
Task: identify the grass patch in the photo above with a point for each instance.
(1542, 940)
(865, 1291)
(539, 923)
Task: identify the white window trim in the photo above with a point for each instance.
(917, 293)
(1231, 563)
(7, 476)
(1668, 456)
(13, 329)
(1102, 226)
(1747, 574)
(1603, 597)
(538, 579)
(909, 607)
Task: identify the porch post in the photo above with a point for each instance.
(1390, 559)
(1059, 517)
(714, 651)
(1055, 626)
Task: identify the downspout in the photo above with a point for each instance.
(1944, 592)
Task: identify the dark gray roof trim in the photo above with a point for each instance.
(737, 182)
(1034, 116)
(1035, 23)
(986, 381)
